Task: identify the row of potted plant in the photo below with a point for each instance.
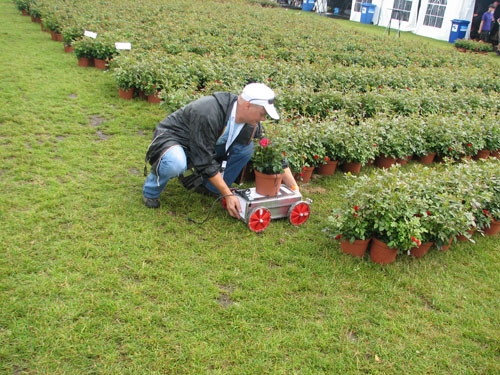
(339, 63)
(473, 45)
(311, 142)
(404, 210)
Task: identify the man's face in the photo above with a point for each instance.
(254, 113)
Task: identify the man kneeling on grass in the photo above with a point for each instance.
(214, 136)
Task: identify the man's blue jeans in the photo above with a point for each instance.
(174, 162)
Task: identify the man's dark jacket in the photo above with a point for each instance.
(197, 127)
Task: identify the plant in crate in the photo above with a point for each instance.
(268, 156)
(268, 166)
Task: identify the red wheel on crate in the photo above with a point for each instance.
(258, 219)
(299, 213)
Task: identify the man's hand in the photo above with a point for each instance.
(233, 205)
(232, 202)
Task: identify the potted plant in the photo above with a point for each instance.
(395, 138)
(103, 50)
(328, 159)
(491, 134)
(83, 49)
(35, 12)
(356, 145)
(70, 34)
(23, 6)
(267, 162)
(349, 225)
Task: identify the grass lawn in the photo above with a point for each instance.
(92, 282)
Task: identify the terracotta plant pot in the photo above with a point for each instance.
(420, 251)
(267, 184)
(84, 61)
(357, 248)
(352, 167)
(100, 64)
(381, 253)
(464, 238)
(126, 94)
(154, 98)
(446, 247)
(482, 154)
(328, 169)
(68, 49)
(306, 174)
(493, 229)
(427, 159)
(383, 161)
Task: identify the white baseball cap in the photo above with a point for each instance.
(260, 94)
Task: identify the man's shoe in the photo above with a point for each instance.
(151, 202)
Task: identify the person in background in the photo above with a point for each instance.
(474, 27)
(495, 27)
(486, 23)
(214, 136)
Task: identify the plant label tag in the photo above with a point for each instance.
(123, 45)
(90, 34)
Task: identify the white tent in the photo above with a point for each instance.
(433, 19)
(455, 10)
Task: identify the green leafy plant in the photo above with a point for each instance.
(84, 47)
(268, 156)
(473, 46)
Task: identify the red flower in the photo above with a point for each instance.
(316, 157)
(469, 144)
(356, 208)
(326, 158)
(264, 142)
(486, 212)
(428, 213)
(450, 149)
(337, 237)
(269, 79)
(416, 240)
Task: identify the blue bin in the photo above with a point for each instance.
(307, 5)
(458, 30)
(367, 12)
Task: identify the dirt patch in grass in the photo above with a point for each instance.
(96, 120)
